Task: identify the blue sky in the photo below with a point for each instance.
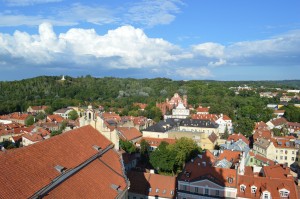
(181, 40)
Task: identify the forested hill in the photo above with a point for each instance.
(120, 93)
(18, 95)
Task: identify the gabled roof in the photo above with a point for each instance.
(151, 184)
(262, 184)
(202, 109)
(274, 179)
(129, 133)
(279, 121)
(63, 110)
(31, 168)
(237, 136)
(263, 133)
(39, 108)
(55, 118)
(199, 169)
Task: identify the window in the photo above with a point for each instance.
(281, 157)
(285, 158)
(276, 151)
(281, 151)
(184, 187)
(266, 196)
(206, 192)
(157, 190)
(284, 193)
(243, 188)
(293, 159)
(217, 192)
(196, 189)
(230, 180)
(293, 152)
(253, 189)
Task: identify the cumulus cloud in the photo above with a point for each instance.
(209, 49)
(124, 47)
(150, 13)
(273, 51)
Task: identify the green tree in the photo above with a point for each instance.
(163, 159)
(185, 149)
(226, 134)
(29, 120)
(73, 115)
(40, 116)
(54, 133)
(292, 113)
(127, 146)
(63, 125)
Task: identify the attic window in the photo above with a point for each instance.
(172, 192)
(230, 180)
(164, 191)
(284, 193)
(253, 189)
(150, 189)
(243, 188)
(157, 190)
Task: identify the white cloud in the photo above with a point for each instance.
(28, 2)
(278, 50)
(220, 62)
(92, 14)
(209, 49)
(10, 20)
(193, 73)
(150, 13)
(124, 47)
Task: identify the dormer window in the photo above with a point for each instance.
(243, 188)
(230, 180)
(266, 195)
(284, 193)
(253, 189)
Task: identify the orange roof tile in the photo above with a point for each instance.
(31, 168)
(129, 133)
(55, 118)
(161, 186)
(236, 136)
(197, 170)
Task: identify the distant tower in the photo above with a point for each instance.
(63, 78)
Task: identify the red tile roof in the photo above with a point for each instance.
(202, 109)
(260, 125)
(237, 136)
(140, 105)
(55, 118)
(275, 178)
(129, 133)
(161, 186)
(272, 185)
(38, 108)
(267, 134)
(279, 121)
(31, 168)
(197, 170)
